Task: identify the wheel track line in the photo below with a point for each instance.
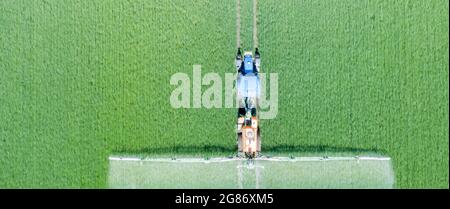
(238, 24)
(255, 24)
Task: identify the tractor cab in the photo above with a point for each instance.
(248, 63)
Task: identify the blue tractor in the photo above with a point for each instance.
(248, 94)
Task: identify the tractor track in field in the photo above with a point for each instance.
(255, 24)
(238, 23)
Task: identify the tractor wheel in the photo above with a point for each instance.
(258, 142)
(239, 142)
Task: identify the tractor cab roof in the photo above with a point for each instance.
(248, 63)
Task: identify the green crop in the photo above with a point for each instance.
(80, 80)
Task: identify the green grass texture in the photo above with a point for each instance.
(81, 80)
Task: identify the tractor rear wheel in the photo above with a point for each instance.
(258, 142)
(239, 142)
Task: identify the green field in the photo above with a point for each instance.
(80, 80)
